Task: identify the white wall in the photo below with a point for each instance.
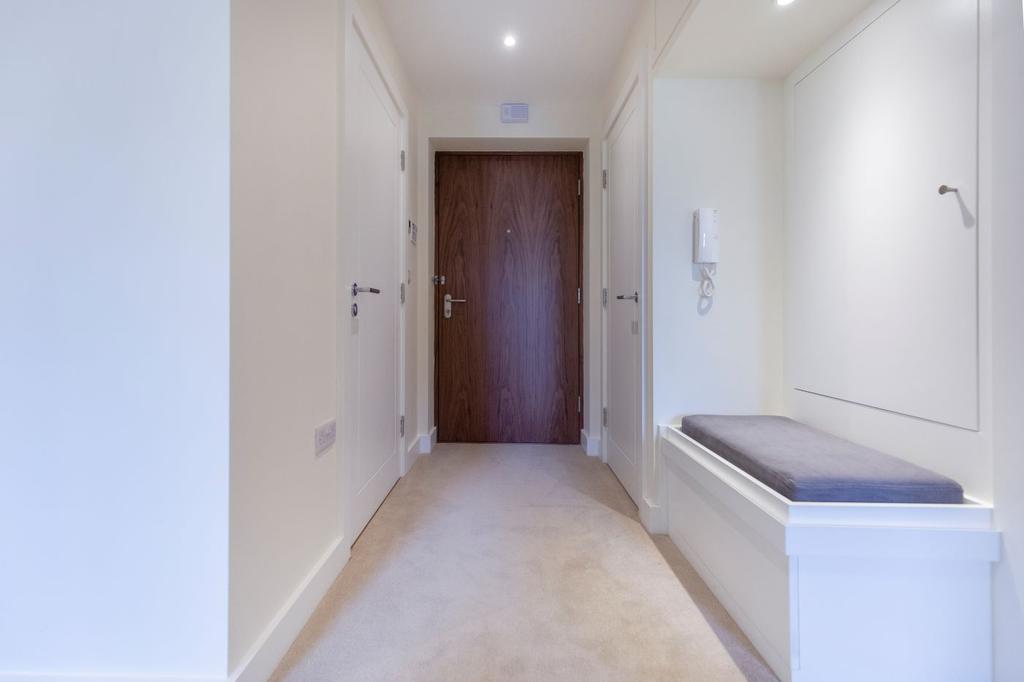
(1006, 179)
(285, 513)
(639, 46)
(651, 37)
(717, 143)
(114, 204)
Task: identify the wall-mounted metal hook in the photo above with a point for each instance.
(946, 189)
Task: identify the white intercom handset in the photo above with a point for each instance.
(705, 247)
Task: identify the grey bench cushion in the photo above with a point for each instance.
(807, 465)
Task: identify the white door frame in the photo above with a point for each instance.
(356, 28)
(651, 509)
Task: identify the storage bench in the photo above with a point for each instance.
(832, 591)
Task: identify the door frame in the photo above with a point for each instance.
(435, 309)
(652, 512)
(355, 27)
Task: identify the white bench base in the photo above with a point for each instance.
(829, 592)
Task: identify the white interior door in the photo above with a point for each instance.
(372, 401)
(624, 211)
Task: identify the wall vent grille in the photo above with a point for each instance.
(515, 112)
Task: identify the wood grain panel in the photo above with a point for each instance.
(509, 233)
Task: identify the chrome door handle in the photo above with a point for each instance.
(448, 300)
(635, 297)
(356, 290)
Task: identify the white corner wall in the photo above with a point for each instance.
(640, 45)
(1007, 178)
(718, 143)
(114, 205)
(285, 516)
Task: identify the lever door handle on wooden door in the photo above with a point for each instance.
(635, 297)
(448, 300)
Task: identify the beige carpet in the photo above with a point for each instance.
(513, 562)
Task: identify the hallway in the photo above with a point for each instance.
(516, 562)
(752, 265)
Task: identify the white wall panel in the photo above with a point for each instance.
(884, 276)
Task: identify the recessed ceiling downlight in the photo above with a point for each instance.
(783, 3)
(510, 40)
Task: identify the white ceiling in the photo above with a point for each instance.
(754, 38)
(453, 49)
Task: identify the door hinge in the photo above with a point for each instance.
(604, 416)
(438, 280)
(579, 187)
(401, 425)
(604, 179)
(579, 404)
(579, 296)
(604, 297)
(402, 159)
(401, 292)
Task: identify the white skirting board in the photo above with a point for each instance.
(837, 592)
(590, 444)
(653, 517)
(412, 453)
(273, 644)
(427, 441)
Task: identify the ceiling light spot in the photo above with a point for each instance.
(510, 40)
(783, 3)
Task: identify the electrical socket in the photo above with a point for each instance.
(324, 437)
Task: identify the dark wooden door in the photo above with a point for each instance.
(509, 359)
